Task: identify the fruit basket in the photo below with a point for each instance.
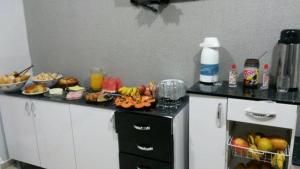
(258, 155)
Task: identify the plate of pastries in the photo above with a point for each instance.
(49, 79)
(97, 97)
(35, 89)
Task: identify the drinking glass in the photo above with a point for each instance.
(283, 84)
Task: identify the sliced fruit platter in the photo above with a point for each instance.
(137, 102)
(137, 97)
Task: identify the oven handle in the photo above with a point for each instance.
(260, 116)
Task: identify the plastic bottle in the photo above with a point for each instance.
(232, 80)
(209, 62)
(266, 77)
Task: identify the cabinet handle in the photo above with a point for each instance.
(33, 109)
(27, 109)
(219, 115)
(113, 122)
(144, 148)
(141, 128)
(142, 167)
(260, 116)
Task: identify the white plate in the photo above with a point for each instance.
(32, 94)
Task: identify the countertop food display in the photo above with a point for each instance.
(155, 111)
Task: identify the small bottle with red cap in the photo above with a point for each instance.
(265, 78)
(232, 80)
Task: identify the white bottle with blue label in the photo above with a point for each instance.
(209, 62)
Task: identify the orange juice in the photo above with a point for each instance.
(96, 79)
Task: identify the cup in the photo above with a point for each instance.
(283, 84)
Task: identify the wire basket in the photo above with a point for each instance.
(259, 155)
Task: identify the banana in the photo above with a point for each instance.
(274, 160)
(253, 152)
(251, 138)
(133, 91)
(129, 91)
(278, 160)
(121, 90)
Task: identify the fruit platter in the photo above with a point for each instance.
(137, 97)
(268, 149)
(138, 102)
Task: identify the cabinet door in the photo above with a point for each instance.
(19, 129)
(96, 142)
(54, 134)
(207, 138)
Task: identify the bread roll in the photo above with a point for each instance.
(68, 81)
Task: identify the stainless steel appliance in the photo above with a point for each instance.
(286, 59)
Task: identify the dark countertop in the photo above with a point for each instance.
(245, 93)
(155, 110)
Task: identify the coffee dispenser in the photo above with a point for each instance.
(286, 58)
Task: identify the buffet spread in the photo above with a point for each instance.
(102, 89)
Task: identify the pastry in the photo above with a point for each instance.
(10, 79)
(68, 81)
(45, 76)
(92, 97)
(35, 88)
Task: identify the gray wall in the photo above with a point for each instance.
(70, 36)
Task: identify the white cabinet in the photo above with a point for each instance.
(96, 142)
(38, 132)
(19, 129)
(54, 134)
(207, 136)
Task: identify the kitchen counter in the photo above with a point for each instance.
(240, 92)
(245, 93)
(155, 111)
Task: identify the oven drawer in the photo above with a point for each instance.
(134, 162)
(130, 123)
(150, 147)
(263, 113)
